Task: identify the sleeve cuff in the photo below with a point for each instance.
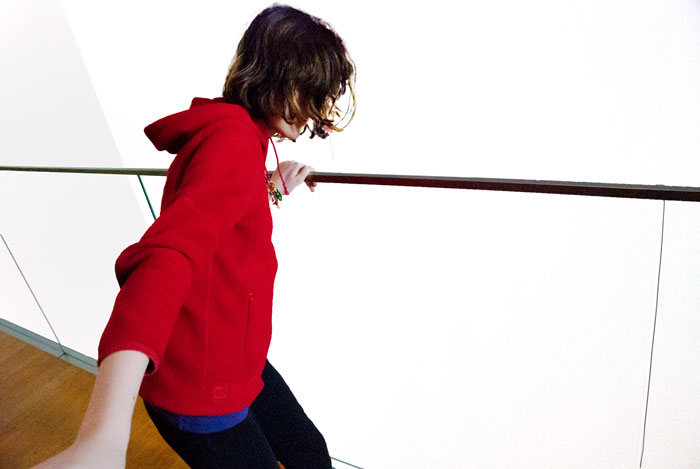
(154, 359)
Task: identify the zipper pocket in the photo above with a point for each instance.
(247, 325)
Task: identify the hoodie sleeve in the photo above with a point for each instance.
(156, 273)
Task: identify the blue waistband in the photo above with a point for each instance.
(201, 423)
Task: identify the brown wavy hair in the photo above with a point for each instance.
(291, 64)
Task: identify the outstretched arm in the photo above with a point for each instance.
(104, 433)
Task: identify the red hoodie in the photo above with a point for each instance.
(196, 290)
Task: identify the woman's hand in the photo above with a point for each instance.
(86, 456)
(294, 173)
(103, 435)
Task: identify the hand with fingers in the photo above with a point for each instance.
(293, 173)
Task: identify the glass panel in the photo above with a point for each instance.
(67, 230)
(476, 323)
(17, 305)
(436, 328)
(674, 401)
(154, 187)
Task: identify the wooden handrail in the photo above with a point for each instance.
(629, 191)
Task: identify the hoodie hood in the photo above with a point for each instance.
(171, 133)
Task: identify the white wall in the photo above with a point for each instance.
(581, 90)
(65, 230)
(419, 328)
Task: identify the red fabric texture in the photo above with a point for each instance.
(196, 289)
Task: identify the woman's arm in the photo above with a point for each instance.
(104, 433)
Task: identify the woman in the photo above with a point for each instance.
(191, 325)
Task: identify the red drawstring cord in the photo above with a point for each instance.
(278, 167)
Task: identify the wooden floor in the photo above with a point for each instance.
(42, 401)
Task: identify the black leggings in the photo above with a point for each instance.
(276, 429)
